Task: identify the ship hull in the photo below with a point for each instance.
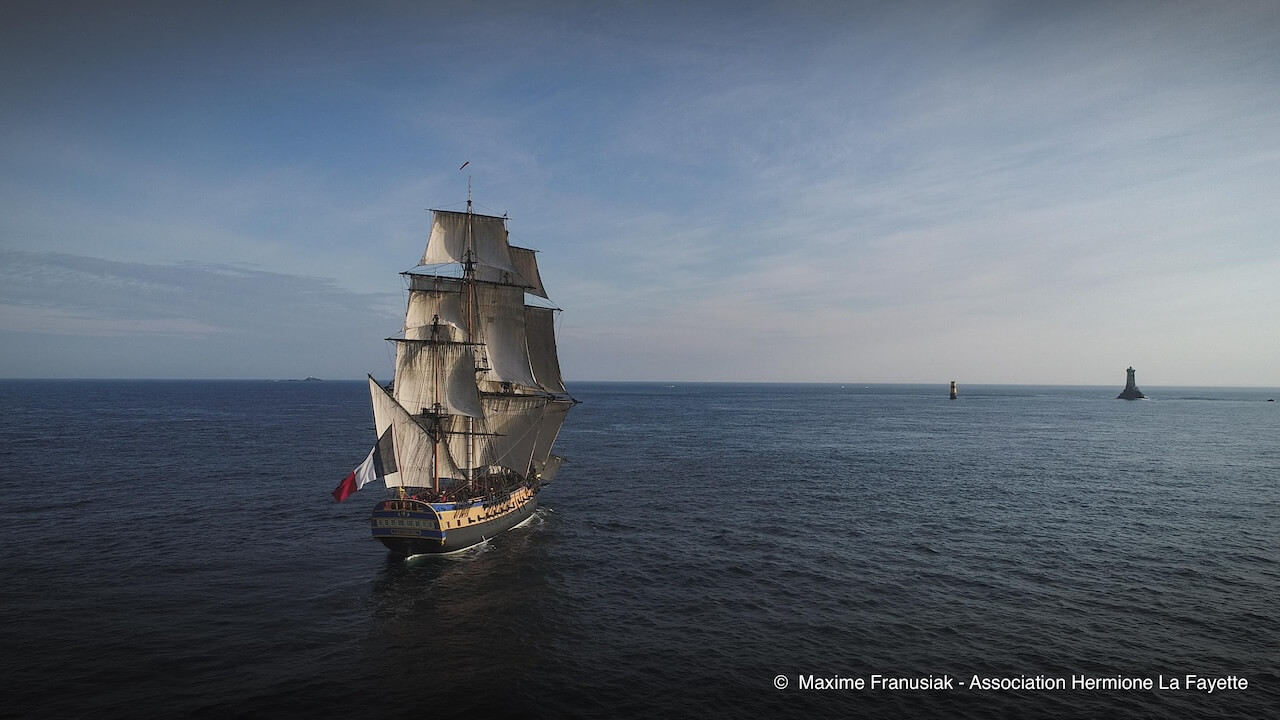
(412, 527)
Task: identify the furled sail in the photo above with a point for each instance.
(415, 450)
(452, 233)
(540, 332)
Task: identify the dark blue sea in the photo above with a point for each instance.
(170, 549)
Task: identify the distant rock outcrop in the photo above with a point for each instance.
(1131, 391)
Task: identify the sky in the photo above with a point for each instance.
(986, 192)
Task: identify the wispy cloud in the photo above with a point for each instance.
(188, 319)
(813, 191)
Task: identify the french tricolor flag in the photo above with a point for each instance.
(380, 463)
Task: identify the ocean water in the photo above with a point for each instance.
(170, 549)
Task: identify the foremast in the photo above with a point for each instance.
(477, 371)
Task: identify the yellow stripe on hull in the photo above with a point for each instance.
(411, 527)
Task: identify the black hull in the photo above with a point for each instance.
(432, 539)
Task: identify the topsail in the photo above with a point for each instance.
(467, 424)
(477, 372)
(468, 238)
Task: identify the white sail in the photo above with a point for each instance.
(550, 468)
(525, 274)
(430, 373)
(548, 428)
(469, 445)
(540, 333)
(464, 335)
(526, 264)
(500, 310)
(432, 298)
(415, 450)
(452, 233)
(514, 420)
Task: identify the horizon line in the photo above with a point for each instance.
(864, 383)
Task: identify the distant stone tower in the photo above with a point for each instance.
(1131, 391)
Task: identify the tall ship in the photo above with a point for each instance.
(466, 427)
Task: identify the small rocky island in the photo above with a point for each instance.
(1131, 391)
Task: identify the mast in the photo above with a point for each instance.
(435, 382)
(469, 278)
(477, 375)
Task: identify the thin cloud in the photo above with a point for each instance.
(186, 320)
(811, 192)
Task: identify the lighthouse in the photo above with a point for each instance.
(1131, 391)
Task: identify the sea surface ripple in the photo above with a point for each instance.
(171, 549)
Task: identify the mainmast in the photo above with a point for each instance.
(469, 281)
(435, 408)
(477, 360)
